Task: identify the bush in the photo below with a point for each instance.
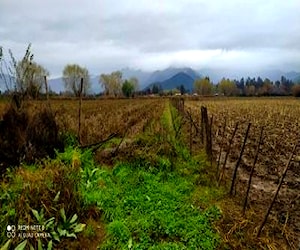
(12, 137)
(27, 137)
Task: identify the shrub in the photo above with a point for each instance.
(27, 137)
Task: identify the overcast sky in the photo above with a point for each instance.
(105, 35)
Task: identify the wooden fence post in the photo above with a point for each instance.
(227, 153)
(191, 134)
(239, 160)
(277, 191)
(46, 88)
(221, 148)
(202, 125)
(79, 111)
(206, 132)
(252, 169)
(210, 140)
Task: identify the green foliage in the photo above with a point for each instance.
(68, 227)
(22, 245)
(227, 87)
(76, 157)
(127, 88)
(89, 231)
(49, 224)
(135, 83)
(203, 86)
(6, 245)
(118, 231)
(70, 140)
(9, 194)
(32, 195)
(142, 207)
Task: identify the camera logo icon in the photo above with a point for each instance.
(11, 231)
(11, 228)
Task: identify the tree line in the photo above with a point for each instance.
(247, 87)
(29, 78)
(227, 87)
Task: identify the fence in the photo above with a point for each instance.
(204, 128)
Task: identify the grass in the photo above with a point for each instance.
(162, 198)
(153, 201)
(152, 209)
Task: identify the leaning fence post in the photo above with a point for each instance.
(239, 160)
(277, 191)
(221, 148)
(227, 153)
(252, 169)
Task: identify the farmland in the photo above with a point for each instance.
(143, 189)
(280, 120)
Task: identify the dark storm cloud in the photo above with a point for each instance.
(106, 35)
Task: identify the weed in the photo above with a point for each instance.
(89, 231)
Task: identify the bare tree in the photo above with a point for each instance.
(72, 75)
(112, 83)
(24, 77)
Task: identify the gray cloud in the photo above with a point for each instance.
(106, 35)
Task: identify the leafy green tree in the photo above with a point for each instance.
(227, 87)
(128, 88)
(135, 83)
(72, 75)
(203, 86)
(112, 83)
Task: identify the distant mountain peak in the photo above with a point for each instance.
(185, 78)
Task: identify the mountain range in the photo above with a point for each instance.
(169, 78)
(172, 77)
